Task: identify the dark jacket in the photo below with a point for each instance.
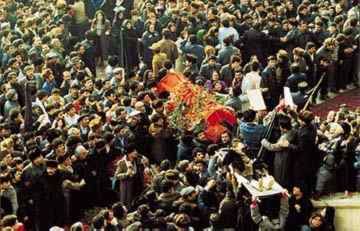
(297, 218)
(293, 81)
(310, 72)
(253, 45)
(228, 213)
(130, 47)
(227, 74)
(225, 54)
(269, 81)
(300, 98)
(52, 201)
(195, 49)
(147, 40)
(252, 134)
(206, 70)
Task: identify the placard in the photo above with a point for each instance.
(288, 98)
(256, 100)
(276, 188)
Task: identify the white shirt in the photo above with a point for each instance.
(251, 81)
(70, 121)
(109, 72)
(225, 32)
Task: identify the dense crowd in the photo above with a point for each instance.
(83, 126)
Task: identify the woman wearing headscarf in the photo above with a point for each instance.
(115, 34)
(101, 26)
(128, 47)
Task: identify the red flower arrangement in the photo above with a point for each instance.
(190, 104)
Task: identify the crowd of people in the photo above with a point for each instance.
(82, 124)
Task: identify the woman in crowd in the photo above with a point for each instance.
(101, 27)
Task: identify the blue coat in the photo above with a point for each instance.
(293, 81)
(195, 49)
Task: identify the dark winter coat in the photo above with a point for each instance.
(147, 40)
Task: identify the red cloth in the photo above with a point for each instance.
(213, 132)
(19, 227)
(221, 115)
(169, 82)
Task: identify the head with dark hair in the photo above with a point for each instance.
(306, 116)
(295, 68)
(310, 45)
(113, 60)
(225, 23)
(166, 33)
(255, 66)
(249, 116)
(165, 165)
(229, 40)
(166, 186)
(192, 39)
(143, 210)
(285, 122)
(317, 221)
(192, 178)
(98, 222)
(119, 210)
(126, 101)
(14, 113)
(212, 148)
(347, 129)
(235, 58)
(130, 148)
(197, 150)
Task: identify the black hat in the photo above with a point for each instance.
(52, 163)
(83, 117)
(35, 153)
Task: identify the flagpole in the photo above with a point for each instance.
(313, 91)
